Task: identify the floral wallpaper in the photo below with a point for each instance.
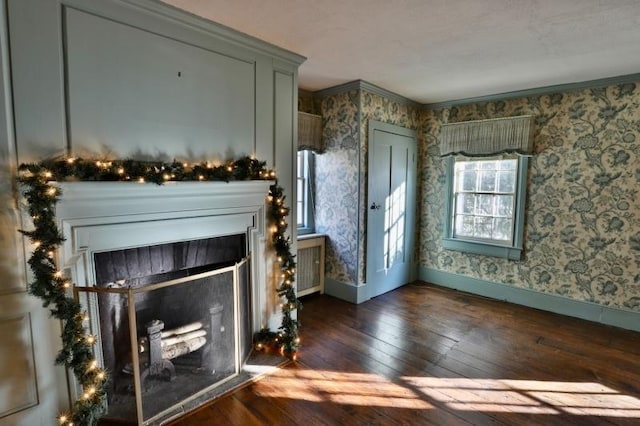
(341, 179)
(336, 182)
(582, 230)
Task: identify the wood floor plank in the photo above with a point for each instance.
(426, 355)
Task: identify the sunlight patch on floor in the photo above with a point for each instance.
(462, 394)
(527, 396)
(340, 388)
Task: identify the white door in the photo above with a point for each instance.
(391, 207)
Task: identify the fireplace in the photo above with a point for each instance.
(175, 281)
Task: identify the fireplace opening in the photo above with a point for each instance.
(175, 323)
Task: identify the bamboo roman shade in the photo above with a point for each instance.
(488, 137)
(309, 132)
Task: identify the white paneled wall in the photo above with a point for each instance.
(116, 79)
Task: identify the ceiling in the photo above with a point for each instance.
(442, 50)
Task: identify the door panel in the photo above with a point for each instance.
(391, 217)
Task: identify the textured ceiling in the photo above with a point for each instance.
(441, 50)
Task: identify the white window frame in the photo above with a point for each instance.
(305, 196)
(507, 249)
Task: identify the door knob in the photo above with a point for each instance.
(375, 206)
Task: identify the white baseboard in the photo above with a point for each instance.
(545, 301)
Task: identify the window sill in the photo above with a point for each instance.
(305, 231)
(475, 247)
(309, 236)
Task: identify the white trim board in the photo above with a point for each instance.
(348, 292)
(533, 299)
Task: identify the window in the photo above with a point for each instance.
(485, 205)
(305, 192)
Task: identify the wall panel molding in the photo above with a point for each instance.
(19, 389)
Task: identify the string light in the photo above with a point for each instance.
(49, 286)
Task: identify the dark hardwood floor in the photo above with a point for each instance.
(424, 355)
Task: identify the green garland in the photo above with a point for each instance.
(52, 287)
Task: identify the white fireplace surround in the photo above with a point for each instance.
(106, 216)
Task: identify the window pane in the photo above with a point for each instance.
(465, 203)
(300, 206)
(470, 165)
(467, 181)
(506, 181)
(502, 229)
(300, 189)
(483, 200)
(484, 205)
(464, 226)
(304, 174)
(488, 181)
(482, 227)
(504, 205)
(508, 164)
(487, 165)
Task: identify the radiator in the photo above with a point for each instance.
(310, 262)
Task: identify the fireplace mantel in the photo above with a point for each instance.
(105, 216)
(95, 199)
(145, 214)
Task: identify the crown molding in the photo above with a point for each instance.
(335, 90)
(367, 87)
(538, 91)
(220, 31)
(377, 90)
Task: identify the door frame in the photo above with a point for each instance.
(411, 222)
